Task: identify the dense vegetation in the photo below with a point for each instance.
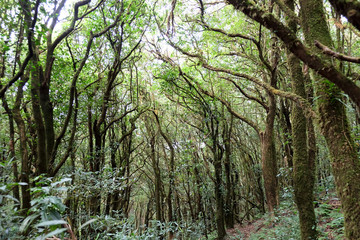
(136, 119)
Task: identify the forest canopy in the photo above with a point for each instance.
(182, 119)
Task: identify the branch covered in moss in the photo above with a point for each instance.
(326, 50)
(298, 48)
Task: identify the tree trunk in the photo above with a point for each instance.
(268, 153)
(95, 199)
(334, 124)
(269, 166)
(229, 210)
(157, 180)
(25, 170)
(304, 166)
(36, 76)
(219, 192)
(12, 155)
(199, 202)
(303, 160)
(48, 116)
(219, 197)
(171, 173)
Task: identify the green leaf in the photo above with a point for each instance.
(57, 203)
(87, 223)
(51, 223)
(6, 48)
(50, 214)
(27, 222)
(51, 234)
(12, 198)
(61, 181)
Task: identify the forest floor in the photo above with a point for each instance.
(246, 229)
(330, 225)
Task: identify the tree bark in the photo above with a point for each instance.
(268, 152)
(304, 166)
(12, 154)
(171, 173)
(268, 159)
(303, 159)
(334, 124)
(157, 183)
(229, 198)
(219, 192)
(290, 40)
(25, 170)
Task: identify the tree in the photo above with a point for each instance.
(303, 159)
(331, 110)
(178, 120)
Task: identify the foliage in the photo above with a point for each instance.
(47, 210)
(10, 218)
(10, 222)
(125, 229)
(285, 225)
(45, 217)
(141, 119)
(331, 218)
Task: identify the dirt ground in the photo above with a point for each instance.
(247, 229)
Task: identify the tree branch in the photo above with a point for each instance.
(298, 48)
(17, 76)
(326, 50)
(245, 94)
(294, 97)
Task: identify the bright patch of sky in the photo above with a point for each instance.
(65, 15)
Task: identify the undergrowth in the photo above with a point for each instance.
(285, 224)
(48, 217)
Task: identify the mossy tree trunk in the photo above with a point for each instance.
(268, 151)
(268, 158)
(303, 160)
(230, 190)
(334, 123)
(304, 166)
(219, 188)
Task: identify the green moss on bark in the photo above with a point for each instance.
(334, 124)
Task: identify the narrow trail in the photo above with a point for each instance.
(245, 230)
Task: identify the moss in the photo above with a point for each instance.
(334, 124)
